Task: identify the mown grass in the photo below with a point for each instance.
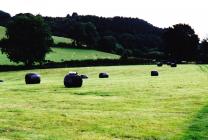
(64, 54)
(67, 54)
(2, 32)
(128, 105)
(58, 39)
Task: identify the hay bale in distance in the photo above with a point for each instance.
(1, 81)
(84, 76)
(103, 75)
(168, 63)
(154, 73)
(173, 65)
(32, 78)
(72, 80)
(159, 64)
(73, 73)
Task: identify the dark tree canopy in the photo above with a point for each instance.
(28, 39)
(131, 34)
(128, 37)
(4, 18)
(84, 34)
(181, 42)
(203, 54)
(107, 43)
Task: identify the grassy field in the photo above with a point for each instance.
(2, 32)
(129, 105)
(60, 54)
(65, 54)
(58, 39)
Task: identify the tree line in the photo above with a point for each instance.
(128, 37)
(131, 37)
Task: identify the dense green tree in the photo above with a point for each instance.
(181, 42)
(203, 51)
(84, 34)
(4, 18)
(132, 34)
(128, 41)
(28, 39)
(107, 43)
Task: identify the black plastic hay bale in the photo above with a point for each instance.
(1, 81)
(32, 78)
(154, 73)
(173, 65)
(73, 73)
(103, 75)
(159, 64)
(72, 80)
(168, 63)
(84, 76)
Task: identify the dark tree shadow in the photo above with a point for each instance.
(198, 128)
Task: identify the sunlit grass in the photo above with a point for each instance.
(58, 39)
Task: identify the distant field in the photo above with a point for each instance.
(60, 54)
(63, 54)
(130, 105)
(62, 40)
(2, 32)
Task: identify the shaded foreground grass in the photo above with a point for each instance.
(198, 127)
(128, 105)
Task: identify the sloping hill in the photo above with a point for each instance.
(2, 32)
(58, 39)
(63, 54)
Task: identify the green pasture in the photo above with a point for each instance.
(63, 54)
(130, 105)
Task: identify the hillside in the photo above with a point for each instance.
(2, 32)
(133, 37)
(64, 54)
(58, 39)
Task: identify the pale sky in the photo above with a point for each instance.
(161, 13)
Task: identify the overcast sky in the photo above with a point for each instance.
(161, 13)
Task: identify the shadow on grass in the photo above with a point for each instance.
(198, 128)
(94, 93)
(203, 68)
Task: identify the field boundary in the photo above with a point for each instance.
(79, 63)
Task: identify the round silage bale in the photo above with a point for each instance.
(103, 75)
(32, 78)
(154, 73)
(173, 65)
(159, 64)
(72, 80)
